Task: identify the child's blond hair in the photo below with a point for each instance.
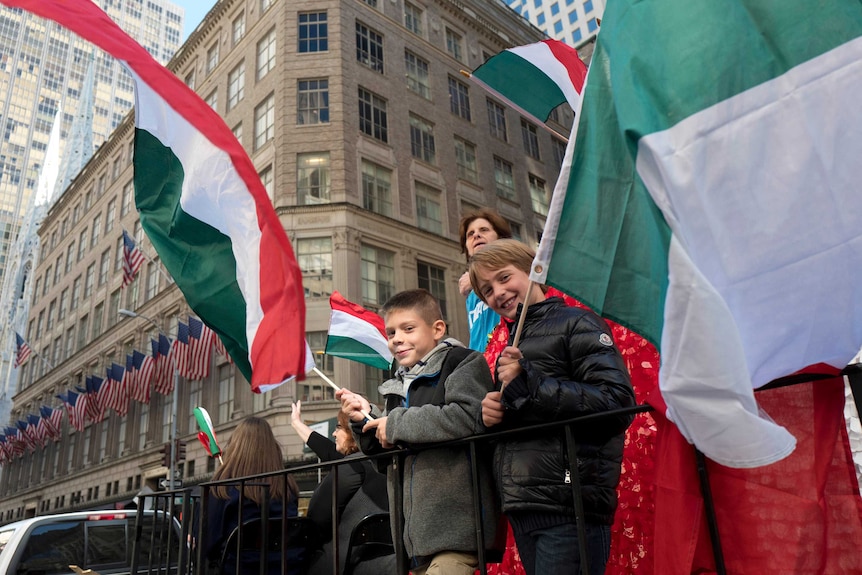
(497, 255)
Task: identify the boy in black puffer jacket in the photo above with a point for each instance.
(566, 365)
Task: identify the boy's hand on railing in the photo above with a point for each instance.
(508, 367)
(379, 425)
(353, 405)
(492, 408)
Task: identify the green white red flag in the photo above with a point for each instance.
(204, 208)
(707, 202)
(535, 77)
(357, 334)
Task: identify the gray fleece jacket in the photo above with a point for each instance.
(437, 496)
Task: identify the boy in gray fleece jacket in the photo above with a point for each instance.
(435, 396)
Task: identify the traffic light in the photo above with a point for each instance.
(181, 450)
(166, 454)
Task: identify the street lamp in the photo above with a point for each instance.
(175, 398)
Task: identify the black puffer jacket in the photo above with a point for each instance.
(571, 368)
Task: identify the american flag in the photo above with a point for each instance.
(76, 407)
(144, 367)
(5, 453)
(133, 259)
(180, 351)
(130, 378)
(52, 420)
(25, 435)
(22, 351)
(97, 394)
(36, 430)
(118, 400)
(13, 442)
(164, 369)
(200, 348)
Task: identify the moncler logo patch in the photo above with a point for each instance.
(605, 339)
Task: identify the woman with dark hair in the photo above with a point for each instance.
(251, 450)
(476, 230)
(360, 491)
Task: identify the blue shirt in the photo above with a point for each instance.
(482, 320)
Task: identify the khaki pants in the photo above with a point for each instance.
(450, 563)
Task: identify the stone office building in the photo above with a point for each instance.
(371, 145)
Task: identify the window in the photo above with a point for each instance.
(497, 120)
(538, 195)
(110, 215)
(82, 332)
(266, 54)
(58, 269)
(115, 173)
(465, 159)
(312, 102)
(369, 47)
(114, 308)
(372, 3)
(76, 293)
(313, 34)
(212, 57)
(90, 280)
(225, 392)
(555, 8)
(459, 98)
(515, 227)
(98, 313)
(52, 314)
(559, 149)
(505, 182)
(212, 100)
(577, 35)
(70, 343)
(531, 138)
(422, 139)
(312, 178)
(428, 212)
(453, 44)
(378, 275)
(592, 25)
(266, 179)
(96, 231)
(588, 6)
(413, 18)
(235, 85)
(70, 256)
(238, 28)
(118, 260)
(126, 204)
(264, 6)
(237, 132)
(47, 283)
(190, 79)
(417, 74)
(317, 342)
(372, 115)
(433, 279)
(264, 121)
(104, 266)
(376, 188)
(82, 244)
(64, 304)
(314, 256)
(143, 426)
(152, 280)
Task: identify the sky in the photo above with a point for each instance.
(195, 12)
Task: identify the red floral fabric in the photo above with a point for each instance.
(633, 529)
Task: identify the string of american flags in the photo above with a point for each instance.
(190, 354)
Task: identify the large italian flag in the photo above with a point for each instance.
(712, 203)
(204, 208)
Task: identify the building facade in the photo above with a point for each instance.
(574, 22)
(372, 146)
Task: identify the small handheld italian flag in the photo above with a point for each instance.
(206, 435)
(357, 333)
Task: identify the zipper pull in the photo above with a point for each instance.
(568, 476)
